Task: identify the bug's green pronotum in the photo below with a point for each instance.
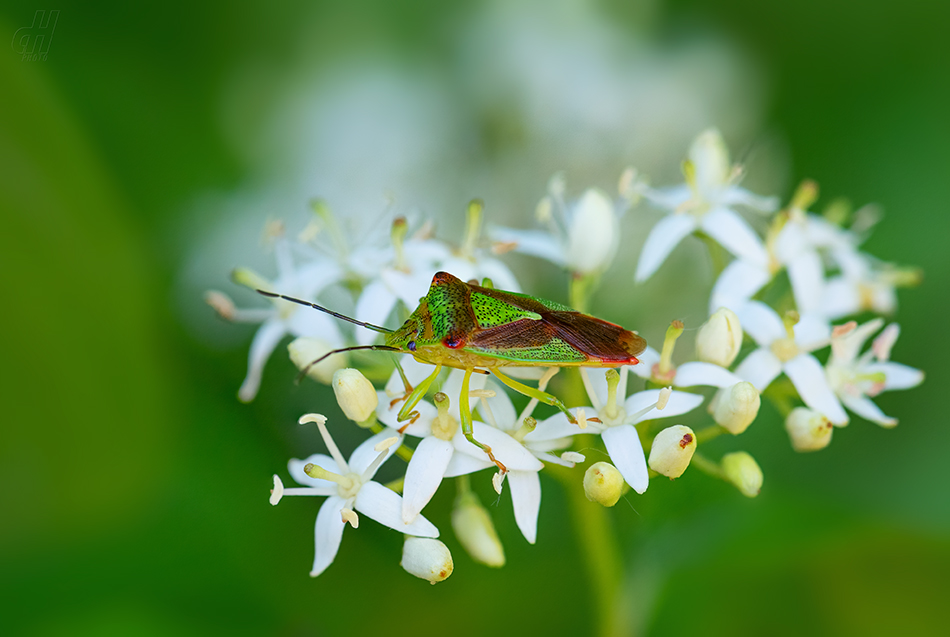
(477, 328)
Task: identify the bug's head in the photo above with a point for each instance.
(414, 332)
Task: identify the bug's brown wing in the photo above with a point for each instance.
(568, 337)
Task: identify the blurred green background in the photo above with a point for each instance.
(134, 485)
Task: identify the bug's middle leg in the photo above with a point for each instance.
(414, 397)
(534, 392)
(468, 429)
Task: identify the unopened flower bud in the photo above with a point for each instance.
(476, 532)
(355, 394)
(737, 407)
(720, 338)
(603, 484)
(672, 450)
(808, 429)
(305, 350)
(742, 470)
(593, 233)
(427, 559)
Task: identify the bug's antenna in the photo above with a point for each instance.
(375, 328)
(303, 372)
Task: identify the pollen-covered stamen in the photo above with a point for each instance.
(843, 330)
(386, 444)
(398, 236)
(573, 457)
(444, 425)
(882, 345)
(660, 404)
(374, 465)
(497, 480)
(785, 348)
(277, 492)
(473, 228)
(321, 422)
(481, 393)
(581, 418)
(317, 472)
(528, 425)
(664, 371)
(250, 279)
(611, 409)
(349, 515)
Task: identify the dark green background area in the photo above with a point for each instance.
(133, 485)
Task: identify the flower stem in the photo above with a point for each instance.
(601, 552)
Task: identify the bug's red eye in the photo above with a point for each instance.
(452, 342)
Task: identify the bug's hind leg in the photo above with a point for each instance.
(533, 392)
(465, 412)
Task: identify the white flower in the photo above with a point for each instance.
(705, 202)
(807, 429)
(603, 484)
(659, 367)
(720, 338)
(864, 284)
(582, 237)
(743, 471)
(407, 276)
(349, 487)
(672, 450)
(304, 282)
(427, 559)
(444, 451)
(857, 377)
(618, 420)
(786, 346)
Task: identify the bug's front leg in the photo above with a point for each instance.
(414, 397)
(533, 392)
(467, 427)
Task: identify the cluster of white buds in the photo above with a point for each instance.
(429, 419)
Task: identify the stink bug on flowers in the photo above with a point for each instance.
(477, 328)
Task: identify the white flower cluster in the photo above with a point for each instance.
(829, 277)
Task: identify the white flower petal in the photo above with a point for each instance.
(710, 159)
(537, 243)
(644, 369)
(408, 288)
(463, 464)
(295, 467)
(734, 195)
(626, 452)
(839, 298)
(502, 409)
(526, 497)
(812, 332)
(896, 375)
(699, 373)
(760, 368)
(679, 403)
(761, 322)
(424, 475)
(265, 340)
(864, 407)
(665, 236)
(806, 275)
(739, 281)
(558, 426)
(808, 376)
(327, 532)
(364, 455)
(670, 198)
(734, 234)
(385, 506)
(506, 449)
(593, 234)
(374, 306)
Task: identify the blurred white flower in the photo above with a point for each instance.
(705, 202)
(302, 281)
(786, 346)
(856, 377)
(581, 237)
(864, 283)
(349, 487)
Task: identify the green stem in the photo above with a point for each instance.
(601, 552)
(706, 465)
(710, 432)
